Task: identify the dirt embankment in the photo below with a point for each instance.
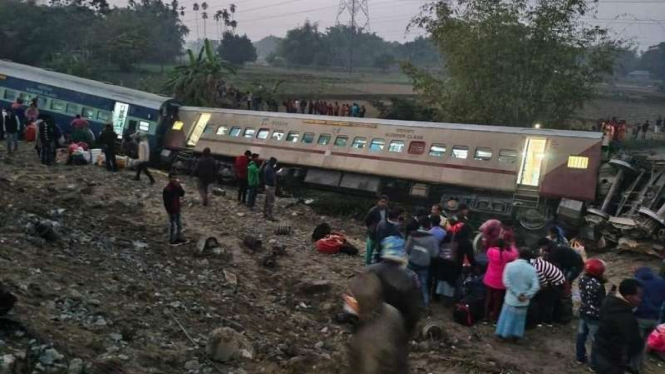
(106, 294)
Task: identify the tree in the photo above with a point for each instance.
(237, 49)
(653, 60)
(301, 45)
(204, 16)
(195, 8)
(218, 17)
(384, 61)
(196, 83)
(513, 63)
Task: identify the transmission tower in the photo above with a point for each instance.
(357, 12)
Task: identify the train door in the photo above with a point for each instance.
(120, 113)
(532, 162)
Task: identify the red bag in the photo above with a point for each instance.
(30, 133)
(656, 340)
(331, 244)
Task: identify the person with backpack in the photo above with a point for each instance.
(386, 231)
(422, 247)
(375, 215)
(206, 172)
(521, 281)
(252, 180)
(498, 255)
(592, 293)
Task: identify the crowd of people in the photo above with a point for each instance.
(412, 261)
(324, 108)
(618, 130)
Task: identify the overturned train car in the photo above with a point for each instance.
(494, 169)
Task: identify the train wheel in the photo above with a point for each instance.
(478, 246)
(531, 219)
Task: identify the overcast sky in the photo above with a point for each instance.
(643, 21)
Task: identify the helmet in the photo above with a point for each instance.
(595, 267)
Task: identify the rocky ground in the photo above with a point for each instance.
(100, 290)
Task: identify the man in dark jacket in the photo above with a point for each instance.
(422, 247)
(11, 124)
(399, 286)
(241, 164)
(270, 183)
(385, 231)
(47, 139)
(172, 194)
(374, 216)
(618, 337)
(107, 141)
(648, 312)
(565, 258)
(206, 171)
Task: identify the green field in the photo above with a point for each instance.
(633, 101)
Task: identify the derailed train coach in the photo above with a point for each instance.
(494, 169)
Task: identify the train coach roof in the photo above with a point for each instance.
(439, 125)
(87, 86)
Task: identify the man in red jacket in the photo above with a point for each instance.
(241, 164)
(172, 194)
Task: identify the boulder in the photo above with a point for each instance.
(226, 344)
(314, 287)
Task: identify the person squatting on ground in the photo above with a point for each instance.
(143, 159)
(618, 337)
(171, 195)
(375, 215)
(380, 344)
(422, 247)
(521, 282)
(206, 172)
(592, 293)
(240, 166)
(270, 183)
(252, 180)
(107, 141)
(498, 256)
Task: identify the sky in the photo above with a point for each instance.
(642, 21)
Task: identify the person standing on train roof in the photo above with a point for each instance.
(144, 158)
(240, 166)
(375, 215)
(206, 172)
(310, 107)
(270, 182)
(336, 109)
(107, 141)
(362, 112)
(355, 110)
(11, 124)
(252, 180)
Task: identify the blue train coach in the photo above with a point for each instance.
(64, 96)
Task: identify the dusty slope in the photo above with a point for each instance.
(111, 292)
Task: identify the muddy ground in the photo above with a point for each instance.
(110, 296)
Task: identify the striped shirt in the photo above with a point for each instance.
(548, 274)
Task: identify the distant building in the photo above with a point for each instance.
(639, 75)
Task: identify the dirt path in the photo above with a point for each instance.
(111, 292)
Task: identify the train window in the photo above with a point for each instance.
(104, 116)
(324, 139)
(308, 138)
(508, 156)
(277, 135)
(57, 106)
(341, 141)
(72, 108)
(377, 145)
(460, 151)
(437, 150)
(416, 148)
(10, 95)
(249, 132)
(26, 98)
(396, 146)
(41, 102)
(578, 162)
(235, 131)
(221, 130)
(209, 129)
(88, 112)
(359, 142)
(292, 136)
(145, 126)
(177, 125)
(263, 134)
(483, 154)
